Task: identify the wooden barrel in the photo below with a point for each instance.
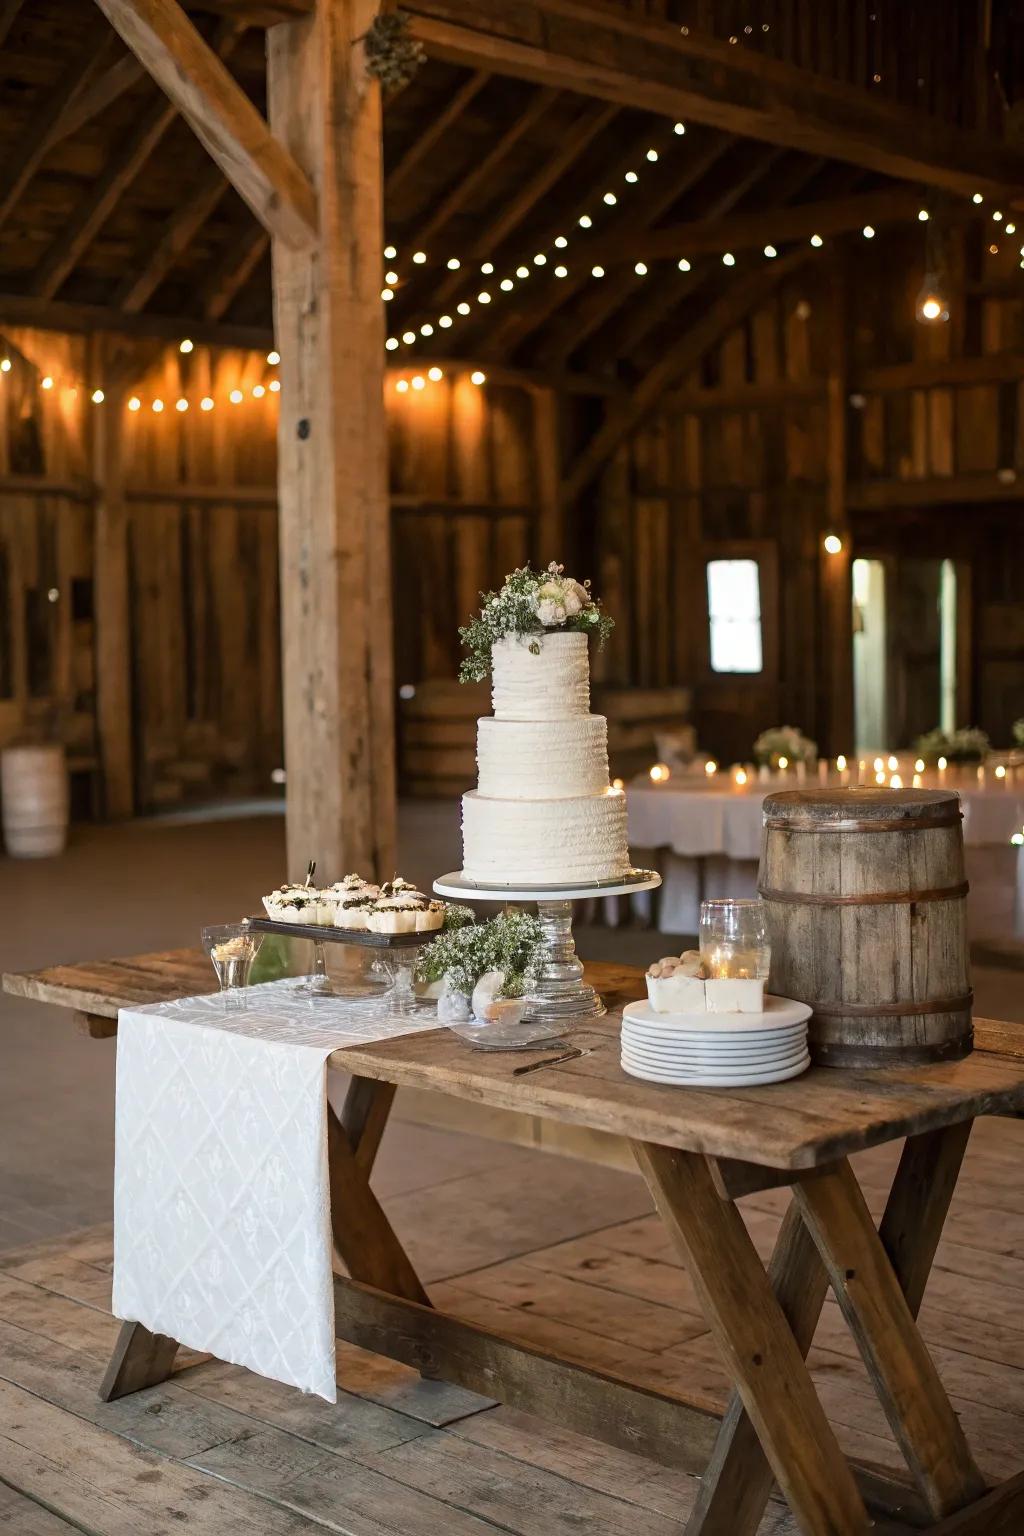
(866, 903)
(34, 793)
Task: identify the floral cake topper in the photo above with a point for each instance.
(530, 604)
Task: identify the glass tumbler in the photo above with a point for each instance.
(232, 949)
(734, 938)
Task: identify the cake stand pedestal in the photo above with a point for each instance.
(561, 996)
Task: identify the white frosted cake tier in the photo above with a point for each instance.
(544, 842)
(548, 685)
(556, 760)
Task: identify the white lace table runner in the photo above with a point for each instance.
(222, 1236)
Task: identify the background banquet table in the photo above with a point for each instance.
(706, 841)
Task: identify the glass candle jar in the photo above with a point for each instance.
(734, 938)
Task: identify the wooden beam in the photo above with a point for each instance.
(95, 98)
(484, 168)
(727, 311)
(136, 291)
(836, 673)
(927, 373)
(53, 315)
(220, 114)
(25, 158)
(113, 661)
(990, 487)
(775, 224)
(8, 16)
(745, 397)
(426, 141)
(618, 56)
(233, 272)
(337, 670)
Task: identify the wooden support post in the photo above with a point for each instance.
(836, 708)
(113, 651)
(876, 1311)
(332, 470)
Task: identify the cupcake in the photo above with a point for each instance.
(430, 917)
(294, 904)
(400, 887)
(396, 914)
(352, 908)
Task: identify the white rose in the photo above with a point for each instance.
(549, 612)
(572, 603)
(551, 589)
(580, 591)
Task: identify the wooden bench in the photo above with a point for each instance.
(698, 1149)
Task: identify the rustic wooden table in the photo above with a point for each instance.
(698, 1149)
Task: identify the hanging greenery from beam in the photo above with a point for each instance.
(392, 56)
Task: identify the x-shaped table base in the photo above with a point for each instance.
(774, 1429)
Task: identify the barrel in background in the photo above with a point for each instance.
(34, 800)
(866, 899)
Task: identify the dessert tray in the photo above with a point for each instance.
(332, 935)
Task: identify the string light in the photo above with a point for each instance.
(977, 198)
(597, 271)
(659, 773)
(273, 358)
(419, 382)
(922, 214)
(640, 269)
(387, 294)
(445, 321)
(435, 374)
(506, 285)
(392, 344)
(561, 271)
(560, 241)
(481, 298)
(610, 199)
(679, 128)
(631, 177)
(5, 365)
(134, 404)
(402, 386)
(728, 259)
(258, 392)
(817, 241)
(522, 271)
(391, 278)
(454, 264)
(585, 221)
(428, 329)
(683, 264)
(487, 268)
(997, 215)
(47, 382)
(236, 397)
(274, 386)
(419, 257)
(652, 155)
(158, 406)
(97, 397)
(868, 232)
(770, 251)
(540, 259)
(833, 544)
(185, 346)
(478, 377)
(206, 403)
(390, 253)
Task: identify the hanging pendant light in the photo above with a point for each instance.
(932, 304)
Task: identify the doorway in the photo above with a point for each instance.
(904, 650)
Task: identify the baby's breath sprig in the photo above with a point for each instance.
(530, 604)
(512, 942)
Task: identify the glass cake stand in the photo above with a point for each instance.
(562, 997)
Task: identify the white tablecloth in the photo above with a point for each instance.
(706, 840)
(222, 1235)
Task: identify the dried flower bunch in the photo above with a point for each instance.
(392, 56)
(512, 943)
(531, 603)
(967, 745)
(784, 741)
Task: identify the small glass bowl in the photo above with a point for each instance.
(510, 1031)
(232, 949)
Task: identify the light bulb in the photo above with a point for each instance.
(426, 329)
(659, 772)
(454, 263)
(46, 383)
(392, 344)
(402, 386)
(259, 391)
(391, 278)
(679, 128)
(419, 257)
(487, 268)
(868, 231)
(463, 308)
(158, 406)
(506, 285)
(895, 782)
(182, 404)
(481, 298)
(134, 404)
(817, 241)
(879, 778)
(630, 176)
(932, 306)
(435, 374)
(561, 271)
(610, 199)
(274, 357)
(892, 763)
(390, 253)
(419, 382)
(941, 762)
(640, 269)
(540, 259)
(274, 386)
(710, 767)
(833, 544)
(1000, 771)
(977, 198)
(5, 365)
(522, 271)
(841, 763)
(922, 214)
(585, 221)
(878, 765)
(919, 765)
(1011, 229)
(387, 294)
(236, 397)
(996, 215)
(652, 154)
(185, 346)
(729, 260)
(597, 271)
(97, 397)
(683, 264)
(477, 377)
(444, 321)
(770, 251)
(408, 337)
(783, 762)
(561, 242)
(206, 404)
(740, 775)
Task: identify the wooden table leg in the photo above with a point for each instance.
(140, 1359)
(363, 1236)
(736, 1487)
(750, 1328)
(882, 1323)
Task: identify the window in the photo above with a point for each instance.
(734, 615)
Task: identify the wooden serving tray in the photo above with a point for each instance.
(331, 935)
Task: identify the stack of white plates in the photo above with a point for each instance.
(716, 1050)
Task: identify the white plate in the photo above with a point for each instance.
(711, 1063)
(692, 1039)
(712, 1058)
(778, 1013)
(716, 1080)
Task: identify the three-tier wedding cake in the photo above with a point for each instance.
(543, 812)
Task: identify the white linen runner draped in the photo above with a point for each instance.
(222, 1236)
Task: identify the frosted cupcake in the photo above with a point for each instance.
(400, 887)
(431, 917)
(398, 914)
(352, 908)
(295, 904)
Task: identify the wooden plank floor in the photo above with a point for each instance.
(219, 1450)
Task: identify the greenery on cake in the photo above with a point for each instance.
(512, 943)
(966, 745)
(1018, 732)
(784, 741)
(531, 604)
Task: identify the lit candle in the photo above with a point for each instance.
(893, 763)
(740, 776)
(783, 764)
(659, 773)
(917, 781)
(981, 773)
(822, 770)
(764, 773)
(895, 782)
(879, 777)
(844, 772)
(919, 765)
(941, 766)
(878, 765)
(710, 767)
(1000, 772)
(861, 766)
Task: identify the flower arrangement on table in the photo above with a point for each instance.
(531, 604)
(783, 741)
(487, 967)
(967, 745)
(1018, 732)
